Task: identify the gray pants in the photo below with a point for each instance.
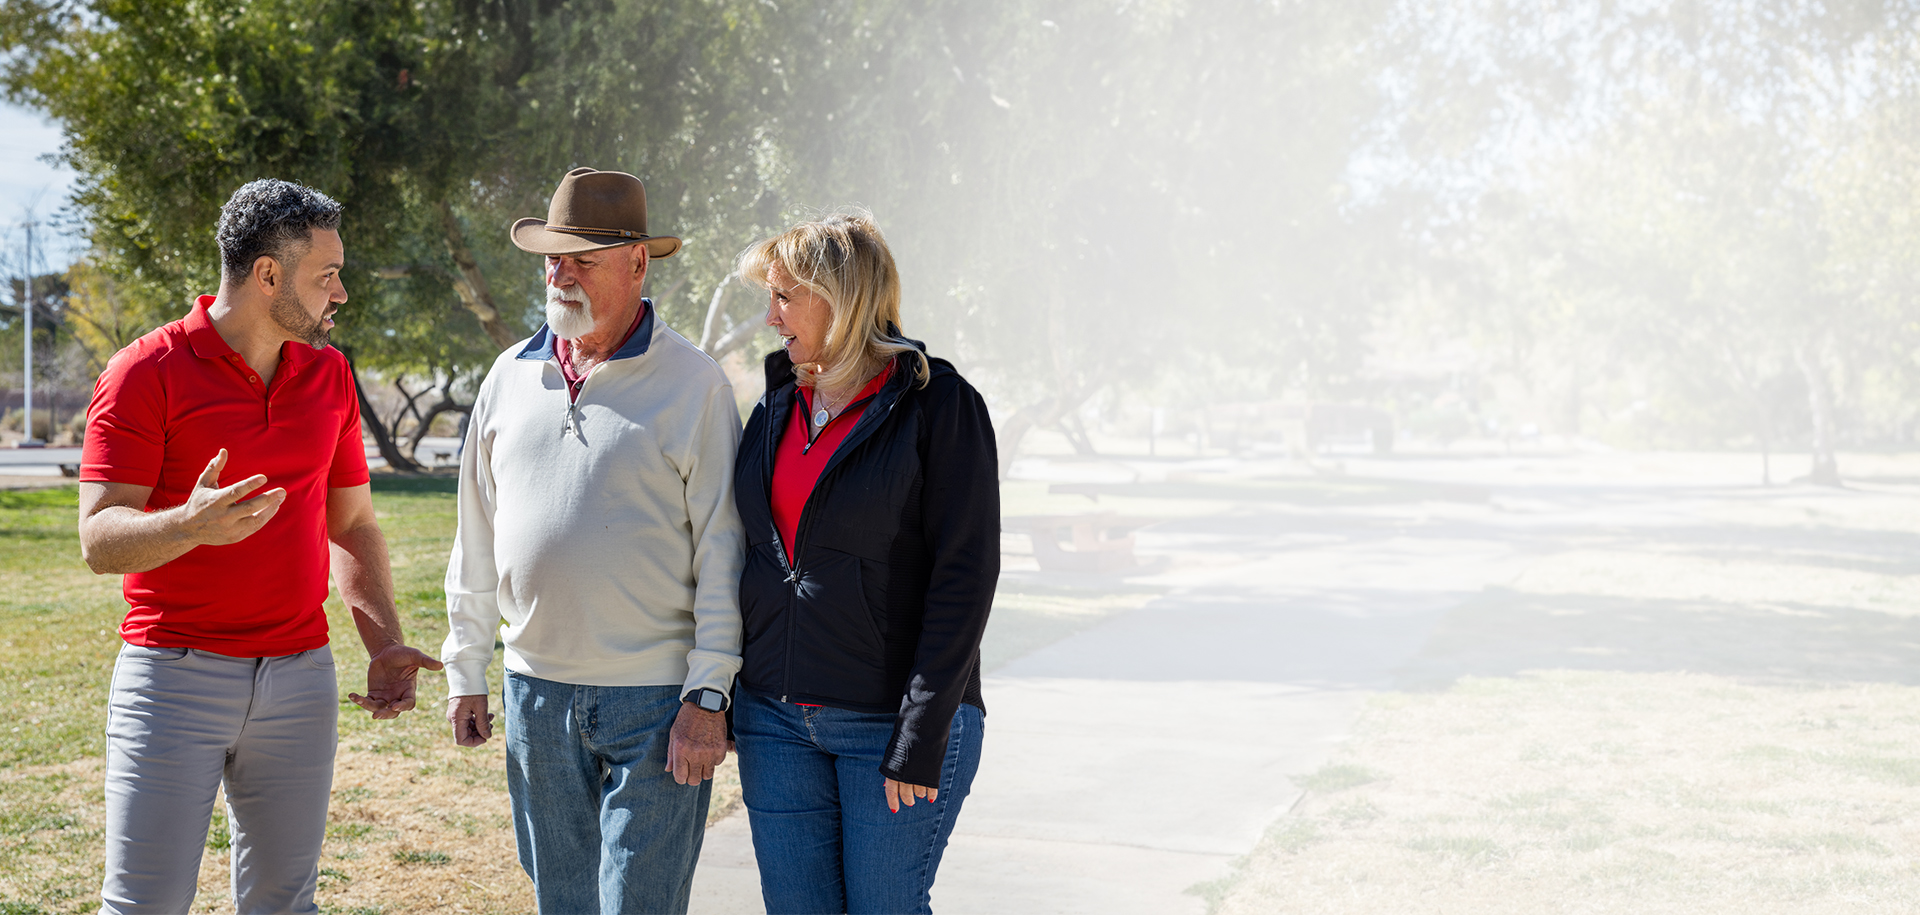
(179, 721)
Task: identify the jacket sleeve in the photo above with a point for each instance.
(473, 580)
(718, 545)
(960, 517)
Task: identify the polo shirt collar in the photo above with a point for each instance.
(208, 344)
(206, 341)
(540, 347)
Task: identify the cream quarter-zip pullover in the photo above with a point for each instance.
(601, 531)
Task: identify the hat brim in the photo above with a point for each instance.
(532, 236)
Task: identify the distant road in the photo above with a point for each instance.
(39, 457)
(433, 452)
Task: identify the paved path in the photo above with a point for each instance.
(1129, 762)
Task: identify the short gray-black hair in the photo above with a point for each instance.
(265, 218)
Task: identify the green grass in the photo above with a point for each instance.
(348, 832)
(58, 639)
(415, 856)
(58, 633)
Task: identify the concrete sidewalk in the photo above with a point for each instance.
(1132, 761)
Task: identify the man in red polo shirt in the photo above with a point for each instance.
(223, 474)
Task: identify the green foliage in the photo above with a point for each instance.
(1066, 219)
(1675, 226)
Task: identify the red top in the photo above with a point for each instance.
(163, 408)
(563, 348)
(797, 465)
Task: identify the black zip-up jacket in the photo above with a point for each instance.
(885, 601)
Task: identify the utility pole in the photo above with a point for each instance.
(27, 366)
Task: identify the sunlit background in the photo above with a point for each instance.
(1457, 455)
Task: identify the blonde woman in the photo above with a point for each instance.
(867, 486)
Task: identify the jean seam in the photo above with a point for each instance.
(806, 718)
(949, 771)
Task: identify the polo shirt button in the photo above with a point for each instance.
(254, 378)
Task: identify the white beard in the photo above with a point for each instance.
(569, 321)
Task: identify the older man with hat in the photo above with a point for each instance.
(597, 523)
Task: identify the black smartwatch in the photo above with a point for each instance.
(709, 700)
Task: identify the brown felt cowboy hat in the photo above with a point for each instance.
(593, 210)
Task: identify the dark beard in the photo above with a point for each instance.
(293, 319)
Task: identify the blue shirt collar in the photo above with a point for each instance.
(540, 348)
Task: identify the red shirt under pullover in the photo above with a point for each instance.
(797, 464)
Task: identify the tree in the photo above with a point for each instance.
(435, 123)
(1068, 220)
(1693, 161)
(1071, 219)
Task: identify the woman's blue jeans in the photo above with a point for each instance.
(825, 840)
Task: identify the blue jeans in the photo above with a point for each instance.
(600, 824)
(825, 840)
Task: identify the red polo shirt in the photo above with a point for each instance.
(163, 408)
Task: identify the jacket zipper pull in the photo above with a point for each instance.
(569, 424)
(793, 575)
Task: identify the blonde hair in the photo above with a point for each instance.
(843, 259)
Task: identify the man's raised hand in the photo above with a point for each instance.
(390, 680)
(215, 516)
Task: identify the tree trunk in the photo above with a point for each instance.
(1076, 433)
(471, 284)
(382, 436)
(710, 330)
(1826, 469)
(446, 404)
(716, 342)
(1762, 412)
(1045, 413)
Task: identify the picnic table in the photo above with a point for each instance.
(1093, 542)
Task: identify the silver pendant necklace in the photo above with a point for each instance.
(823, 414)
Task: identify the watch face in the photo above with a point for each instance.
(711, 700)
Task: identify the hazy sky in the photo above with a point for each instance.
(29, 183)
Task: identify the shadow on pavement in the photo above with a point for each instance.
(1503, 632)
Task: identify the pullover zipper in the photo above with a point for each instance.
(570, 421)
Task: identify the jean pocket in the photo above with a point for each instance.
(151, 653)
(320, 658)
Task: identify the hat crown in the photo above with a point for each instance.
(591, 199)
(592, 210)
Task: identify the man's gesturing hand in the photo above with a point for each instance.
(390, 680)
(697, 745)
(215, 516)
(472, 723)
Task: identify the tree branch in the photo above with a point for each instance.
(470, 283)
(382, 436)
